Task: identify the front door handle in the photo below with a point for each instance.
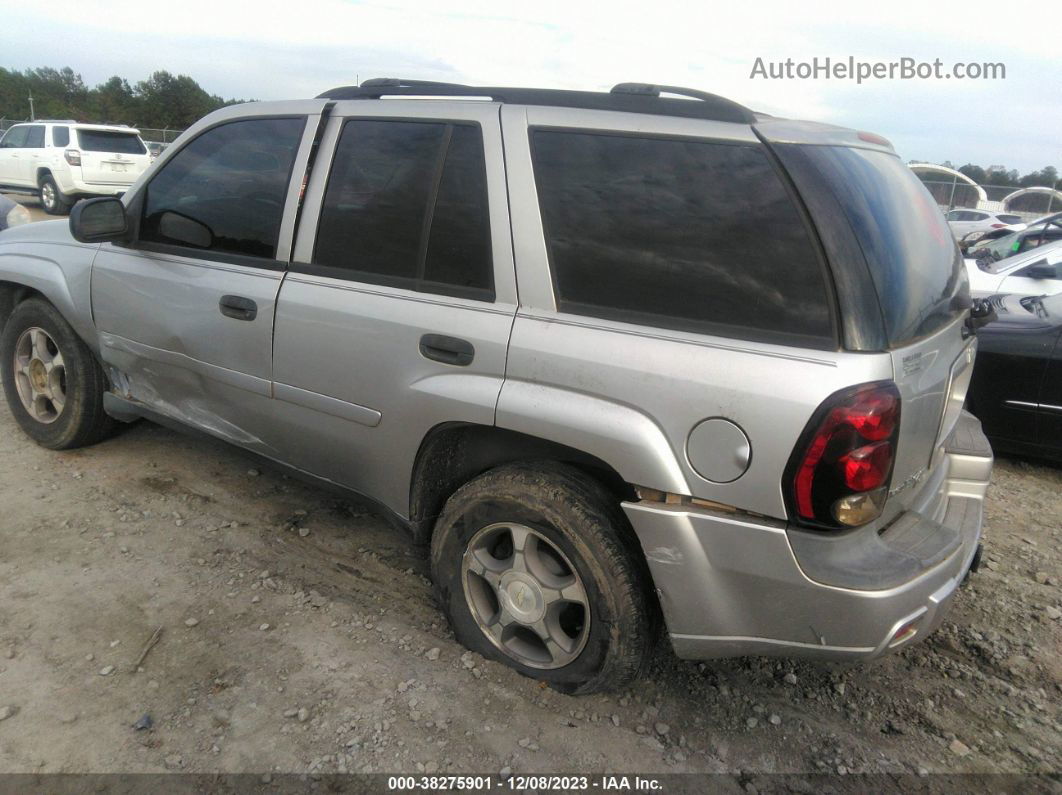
(448, 350)
(237, 307)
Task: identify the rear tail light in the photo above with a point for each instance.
(839, 473)
(73, 157)
(999, 226)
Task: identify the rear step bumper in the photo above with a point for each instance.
(731, 585)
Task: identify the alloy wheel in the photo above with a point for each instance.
(40, 375)
(48, 198)
(525, 595)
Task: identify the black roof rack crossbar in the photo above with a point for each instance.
(628, 97)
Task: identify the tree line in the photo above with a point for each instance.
(163, 100)
(998, 175)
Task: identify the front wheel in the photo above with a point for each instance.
(536, 568)
(51, 199)
(53, 384)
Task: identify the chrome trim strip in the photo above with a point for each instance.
(363, 415)
(1039, 406)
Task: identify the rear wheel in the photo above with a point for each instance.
(536, 568)
(51, 199)
(53, 384)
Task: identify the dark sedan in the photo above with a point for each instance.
(1017, 382)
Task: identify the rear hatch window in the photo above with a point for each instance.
(914, 262)
(110, 141)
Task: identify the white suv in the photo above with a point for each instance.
(63, 161)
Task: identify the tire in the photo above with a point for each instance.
(56, 374)
(51, 199)
(572, 530)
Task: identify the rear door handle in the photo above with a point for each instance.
(237, 307)
(448, 350)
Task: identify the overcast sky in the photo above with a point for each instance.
(297, 49)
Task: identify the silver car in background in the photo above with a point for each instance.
(621, 359)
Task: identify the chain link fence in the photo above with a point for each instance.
(951, 194)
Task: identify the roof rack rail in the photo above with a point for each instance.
(628, 97)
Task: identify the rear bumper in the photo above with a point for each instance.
(732, 585)
(73, 186)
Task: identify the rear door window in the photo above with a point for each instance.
(225, 191)
(35, 137)
(110, 141)
(406, 206)
(691, 235)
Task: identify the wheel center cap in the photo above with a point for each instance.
(522, 596)
(39, 375)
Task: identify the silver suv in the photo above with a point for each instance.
(620, 358)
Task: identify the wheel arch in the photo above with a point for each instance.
(451, 454)
(12, 294)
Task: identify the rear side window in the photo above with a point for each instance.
(35, 137)
(60, 136)
(688, 235)
(1009, 219)
(914, 261)
(225, 191)
(112, 142)
(406, 205)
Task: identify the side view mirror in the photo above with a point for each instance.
(99, 220)
(1040, 270)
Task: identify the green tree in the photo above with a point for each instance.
(976, 173)
(57, 93)
(115, 102)
(174, 101)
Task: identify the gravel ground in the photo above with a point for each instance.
(299, 635)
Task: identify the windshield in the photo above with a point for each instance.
(1046, 231)
(125, 143)
(914, 261)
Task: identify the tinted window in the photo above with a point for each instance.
(60, 136)
(406, 205)
(1009, 219)
(15, 138)
(689, 235)
(914, 261)
(225, 191)
(459, 240)
(113, 142)
(35, 137)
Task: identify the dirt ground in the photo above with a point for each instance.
(321, 650)
(299, 635)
